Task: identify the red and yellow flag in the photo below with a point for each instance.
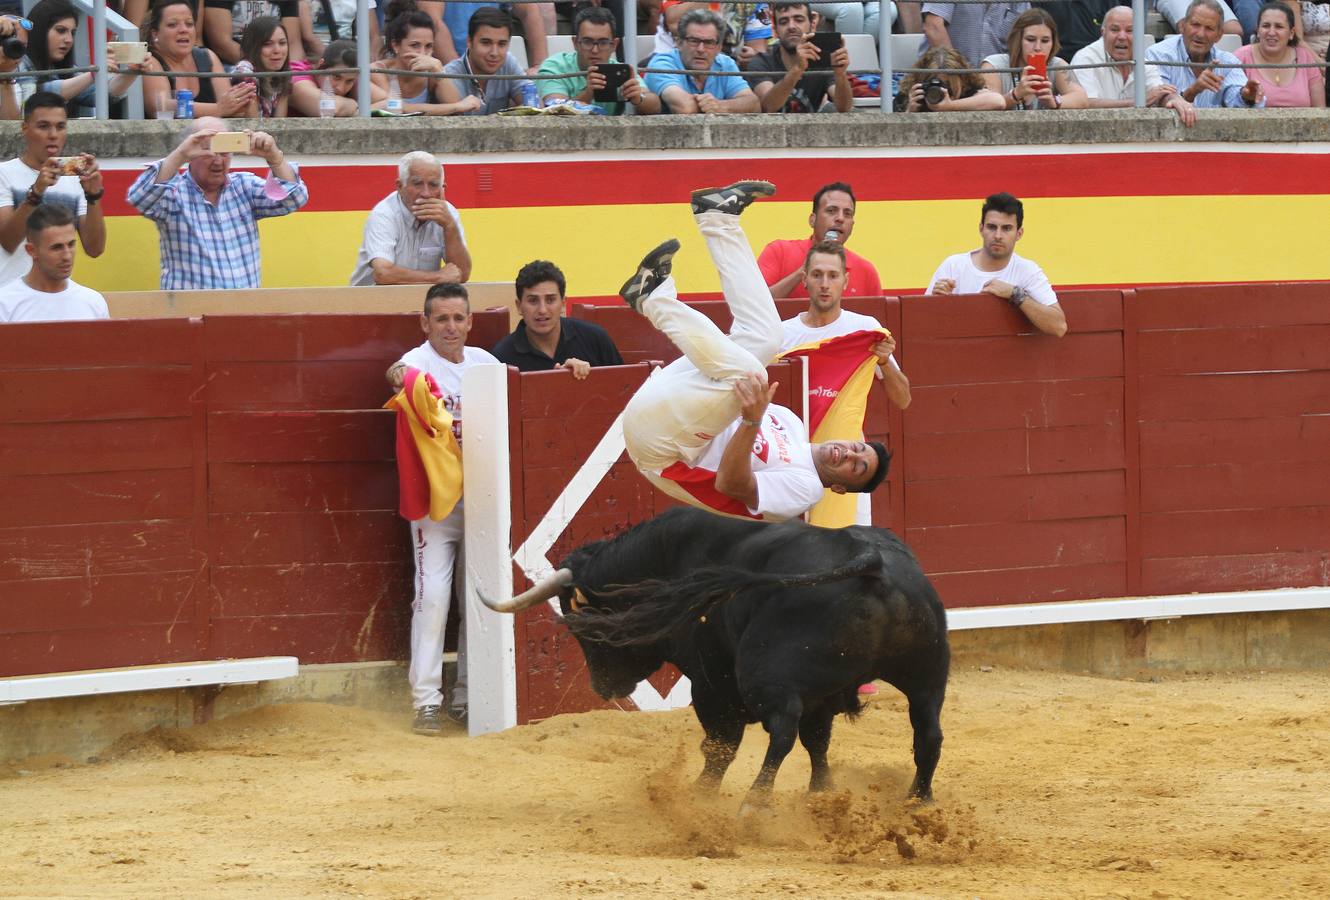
(840, 374)
(429, 462)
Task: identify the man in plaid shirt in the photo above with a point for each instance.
(207, 216)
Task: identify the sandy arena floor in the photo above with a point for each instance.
(1051, 785)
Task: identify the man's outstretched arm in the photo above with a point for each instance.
(734, 476)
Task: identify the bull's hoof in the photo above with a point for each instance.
(754, 810)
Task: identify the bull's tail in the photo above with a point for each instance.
(658, 607)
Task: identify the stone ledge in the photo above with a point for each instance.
(549, 134)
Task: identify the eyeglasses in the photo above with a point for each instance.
(709, 43)
(600, 44)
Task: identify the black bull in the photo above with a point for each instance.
(777, 624)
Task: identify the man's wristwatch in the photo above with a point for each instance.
(1017, 297)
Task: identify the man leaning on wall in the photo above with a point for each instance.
(414, 235)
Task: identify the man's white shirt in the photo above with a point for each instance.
(1108, 83)
(16, 179)
(394, 234)
(1019, 272)
(76, 303)
(448, 375)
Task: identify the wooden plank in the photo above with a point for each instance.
(62, 604)
(622, 488)
(117, 445)
(343, 384)
(310, 338)
(1268, 349)
(302, 436)
(298, 589)
(1024, 498)
(314, 639)
(983, 315)
(256, 539)
(1235, 532)
(88, 550)
(984, 360)
(296, 487)
(1233, 305)
(1131, 438)
(992, 588)
(557, 394)
(37, 653)
(35, 500)
(1086, 448)
(1030, 404)
(1236, 486)
(1292, 439)
(560, 437)
(1248, 396)
(25, 347)
(1008, 545)
(1236, 573)
(488, 327)
(65, 395)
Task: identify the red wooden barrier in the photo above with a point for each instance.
(180, 489)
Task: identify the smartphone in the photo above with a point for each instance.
(828, 42)
(128, 53)
(69, 165)
(1040, 63)
(616, 76)
(229, 142)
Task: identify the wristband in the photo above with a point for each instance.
(753, 423)
(93, 198)
(33, 198)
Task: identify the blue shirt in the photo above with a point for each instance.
(721, 86)
(1172, 49)
(205, 246)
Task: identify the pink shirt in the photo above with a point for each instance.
(1296, 92)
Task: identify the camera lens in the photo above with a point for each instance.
(14, 48)
(935, 91)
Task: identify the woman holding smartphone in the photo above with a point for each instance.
(172, 41)
(266, 55)
(1032, 48)
(50, 46)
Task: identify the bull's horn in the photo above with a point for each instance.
(544, 589)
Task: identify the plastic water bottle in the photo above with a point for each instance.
(327, 102)
(394, 104)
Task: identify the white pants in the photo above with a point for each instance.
(438, 553)
(684, 405)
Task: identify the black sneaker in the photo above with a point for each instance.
(457, 715)
(733, 199)
(427, 721)
(651, 271)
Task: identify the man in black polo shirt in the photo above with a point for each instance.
(802, 89)
(544, 339)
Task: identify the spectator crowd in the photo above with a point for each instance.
(253, 58)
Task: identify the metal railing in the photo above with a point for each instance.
(104, 20)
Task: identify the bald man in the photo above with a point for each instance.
(207, 216)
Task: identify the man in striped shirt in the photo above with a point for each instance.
(207, 216)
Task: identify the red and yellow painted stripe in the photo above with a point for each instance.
(1138, 214)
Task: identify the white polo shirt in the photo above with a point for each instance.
(392, 233)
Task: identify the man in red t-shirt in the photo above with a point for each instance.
(832, 219)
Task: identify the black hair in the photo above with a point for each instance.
(446, 291)
(48, 215)
(42, 100)
(1288, 14)
(400, 17)
(153, 22)
(44, 16)
(537, 271)
(596, 15)
(883, 463)
(1003, 203)
(488, 16)
(782, 5)
(828, 188)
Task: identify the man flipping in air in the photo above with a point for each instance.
(703, 429)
